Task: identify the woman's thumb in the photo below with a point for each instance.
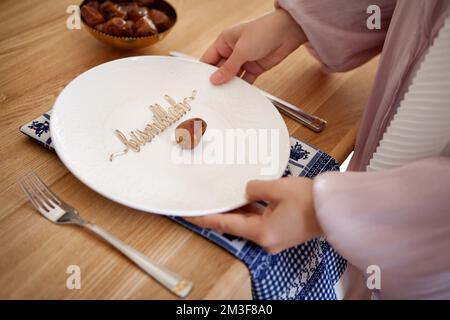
(229, 69)
(267, 190)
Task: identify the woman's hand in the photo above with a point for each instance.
(254, 47)
(288, 220)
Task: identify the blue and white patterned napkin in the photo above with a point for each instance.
(305, 272)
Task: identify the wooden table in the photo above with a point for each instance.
(38, 57)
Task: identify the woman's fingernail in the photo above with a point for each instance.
(218, 77)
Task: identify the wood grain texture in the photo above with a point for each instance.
(38, 57)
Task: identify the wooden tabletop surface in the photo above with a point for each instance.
(38, 57)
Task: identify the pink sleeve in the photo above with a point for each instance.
(336, 29)
(398, 220)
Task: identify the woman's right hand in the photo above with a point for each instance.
(254, 47)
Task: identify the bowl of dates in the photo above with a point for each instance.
(128, 24)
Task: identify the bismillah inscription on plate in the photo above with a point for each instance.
(162, 119)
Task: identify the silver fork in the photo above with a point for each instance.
(59, 212)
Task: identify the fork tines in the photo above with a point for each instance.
(38, 193)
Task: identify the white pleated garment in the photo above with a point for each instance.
(421, 127)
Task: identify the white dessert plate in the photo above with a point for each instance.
(246, 138)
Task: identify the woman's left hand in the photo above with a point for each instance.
(287, 221)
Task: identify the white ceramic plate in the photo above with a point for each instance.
(116, 95)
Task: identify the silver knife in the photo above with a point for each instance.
(310, 121)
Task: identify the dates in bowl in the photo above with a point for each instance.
(128, 24)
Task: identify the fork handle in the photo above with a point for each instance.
(172, 281)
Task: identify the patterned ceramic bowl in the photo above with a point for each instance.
(134, 42)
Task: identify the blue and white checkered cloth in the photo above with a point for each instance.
(309, 271)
